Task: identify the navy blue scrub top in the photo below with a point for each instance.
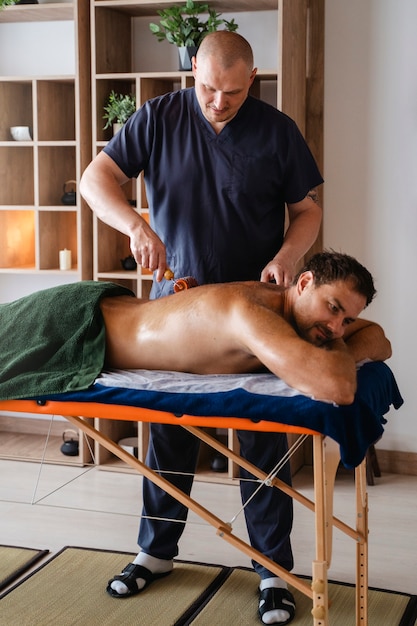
(216, 201)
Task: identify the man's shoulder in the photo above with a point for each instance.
(267, 110)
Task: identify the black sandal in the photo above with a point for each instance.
(128, 577)
(273, 598)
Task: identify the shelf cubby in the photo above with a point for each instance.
(57, 231)
(17, 239)
(16, 106)
(57, 165)
(56, 127)
(17, 169)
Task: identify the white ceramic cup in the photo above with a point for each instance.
(20, 133)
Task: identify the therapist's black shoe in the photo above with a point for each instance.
(129, 576)
(276, 599)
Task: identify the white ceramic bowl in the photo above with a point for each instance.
(20, 133)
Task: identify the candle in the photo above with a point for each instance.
(65, 259)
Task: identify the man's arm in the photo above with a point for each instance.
(328, 375)
(304, 225)
(101, 187)
(367, 340)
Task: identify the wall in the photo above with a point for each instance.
(370, 170)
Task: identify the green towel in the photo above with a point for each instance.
(53, 341)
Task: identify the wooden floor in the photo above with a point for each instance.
(89, 507)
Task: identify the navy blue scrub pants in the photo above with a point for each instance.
(269, 515)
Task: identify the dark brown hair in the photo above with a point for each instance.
(329, 267)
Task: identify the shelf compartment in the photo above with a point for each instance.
(114, 247)
(57, 164)
(57, 230)
(153, 86)
(111, 41)
(17, 239)
(16, 172)
(60, 125)
(17, 106)
(103, 90)
(26, 439)
(265, 87)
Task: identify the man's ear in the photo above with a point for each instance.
(305, 280)
(194, 65)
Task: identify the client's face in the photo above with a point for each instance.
(323, 312)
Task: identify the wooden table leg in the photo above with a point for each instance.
(362, 546)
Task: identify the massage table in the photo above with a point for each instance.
(257, 402)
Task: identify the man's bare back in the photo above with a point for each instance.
(247, 327)
(199, 330)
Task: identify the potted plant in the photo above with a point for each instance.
(118, 109)
(182, 26)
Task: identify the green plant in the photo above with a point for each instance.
(181, 25)
(6, 3)
(119, 108)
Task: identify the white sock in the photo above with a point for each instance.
(277, 615)
(156, 566)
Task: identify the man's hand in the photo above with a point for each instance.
(101, 186)
(148, 249)
(281, 271)
(304, 225)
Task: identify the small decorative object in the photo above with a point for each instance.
(219, 463)
(20, 133)
(181, 26)
(65, 262)
(71, 445)
(118, 109)
(130, 444)
(70, 197)
(129, 263)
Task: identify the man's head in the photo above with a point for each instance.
(223, 72)
(331, 291)
(329, 267)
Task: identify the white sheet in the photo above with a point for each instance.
(179, 382)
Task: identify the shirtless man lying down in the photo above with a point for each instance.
(309, 335)
(250, 326)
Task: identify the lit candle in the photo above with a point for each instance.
(65, 259)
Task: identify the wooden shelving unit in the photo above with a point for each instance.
(34, 223)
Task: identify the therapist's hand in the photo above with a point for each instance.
(148, 249)
(280, 271)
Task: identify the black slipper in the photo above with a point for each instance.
(273, 598)
(128, 577)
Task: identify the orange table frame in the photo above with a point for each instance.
(326, 458)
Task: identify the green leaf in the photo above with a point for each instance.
(181, 26)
